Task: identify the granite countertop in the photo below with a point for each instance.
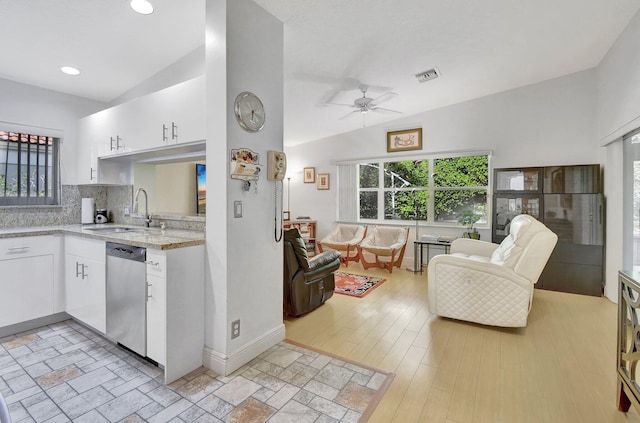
(155, 238)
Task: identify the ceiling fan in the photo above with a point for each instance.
(365, 104)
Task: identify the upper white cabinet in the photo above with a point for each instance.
(110, 131)
(175, 114)
(166, 117)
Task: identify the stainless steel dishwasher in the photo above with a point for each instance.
(127, 296)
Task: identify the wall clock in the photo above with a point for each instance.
(249, 111)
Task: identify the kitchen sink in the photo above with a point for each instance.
(113, 229)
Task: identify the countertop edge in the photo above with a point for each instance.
(113, 237)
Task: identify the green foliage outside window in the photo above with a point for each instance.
(406, 187)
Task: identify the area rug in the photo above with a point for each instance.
(356, 285)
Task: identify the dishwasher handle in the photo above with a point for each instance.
(127, 252)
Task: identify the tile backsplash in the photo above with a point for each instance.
(112, 197)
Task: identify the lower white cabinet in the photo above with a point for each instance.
(29, 276)
(175, 309)
(85, 281)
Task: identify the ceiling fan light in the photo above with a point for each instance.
(70, 70)
(143, 7)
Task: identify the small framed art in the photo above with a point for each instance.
(408, 139)
(309, 175)
(323, 181)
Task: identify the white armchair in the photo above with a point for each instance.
(344, 238)
(388, 242)
(489, 283)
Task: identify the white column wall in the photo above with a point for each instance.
(247, 286)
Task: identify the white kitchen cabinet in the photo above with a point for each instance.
(156, 306)
(85, 281)
(175, 114)
(110, 131)
(175, 309)
(29, 281)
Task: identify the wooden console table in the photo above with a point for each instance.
(628, 354)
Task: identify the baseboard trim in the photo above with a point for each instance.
(224, 364)
(32, 324)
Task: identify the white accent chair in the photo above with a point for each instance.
(489, 283)
(383, 241)
(344, 238)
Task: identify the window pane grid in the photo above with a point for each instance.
(407, 190)
(27, 176)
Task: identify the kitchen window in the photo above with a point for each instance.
(436, 188)
(28, 169)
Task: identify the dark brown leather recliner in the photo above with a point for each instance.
(308, 282)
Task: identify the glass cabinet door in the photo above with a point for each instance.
(580, 179)
(506, 207)
(518, 180)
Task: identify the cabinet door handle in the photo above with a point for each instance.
(118, 142)
(164, 132)
(84, 275)
(78, 273)
(110, 143)
(17, 250)
(149, 285)
(91, 177)
(174, 131)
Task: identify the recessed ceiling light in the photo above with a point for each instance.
(141, 6)
(70, 70)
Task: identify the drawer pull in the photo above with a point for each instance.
(14, 250)
(152, 263)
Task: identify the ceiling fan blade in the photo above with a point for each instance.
(380, 109)
(382, 98)
(349, 114)
(338, 104)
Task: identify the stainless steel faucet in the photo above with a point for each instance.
(147, 216)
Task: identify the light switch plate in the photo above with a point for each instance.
(237, 209)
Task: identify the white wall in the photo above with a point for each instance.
(28, 105)
(549, 123)
(618, 82)
(245, 274)
(188, 67)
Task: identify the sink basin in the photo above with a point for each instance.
(113, 229)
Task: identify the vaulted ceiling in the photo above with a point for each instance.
(332, 47)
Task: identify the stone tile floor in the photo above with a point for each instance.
(66, 372)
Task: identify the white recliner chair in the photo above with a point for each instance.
(489, 283)
(344, 238)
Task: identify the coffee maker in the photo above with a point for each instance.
(102, 216)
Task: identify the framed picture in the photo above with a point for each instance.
(409, 139)
(286, 216)
(309, 175)
(323, 181)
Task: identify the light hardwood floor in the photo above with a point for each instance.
(560, 368)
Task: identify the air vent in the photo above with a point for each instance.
(427, 75)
